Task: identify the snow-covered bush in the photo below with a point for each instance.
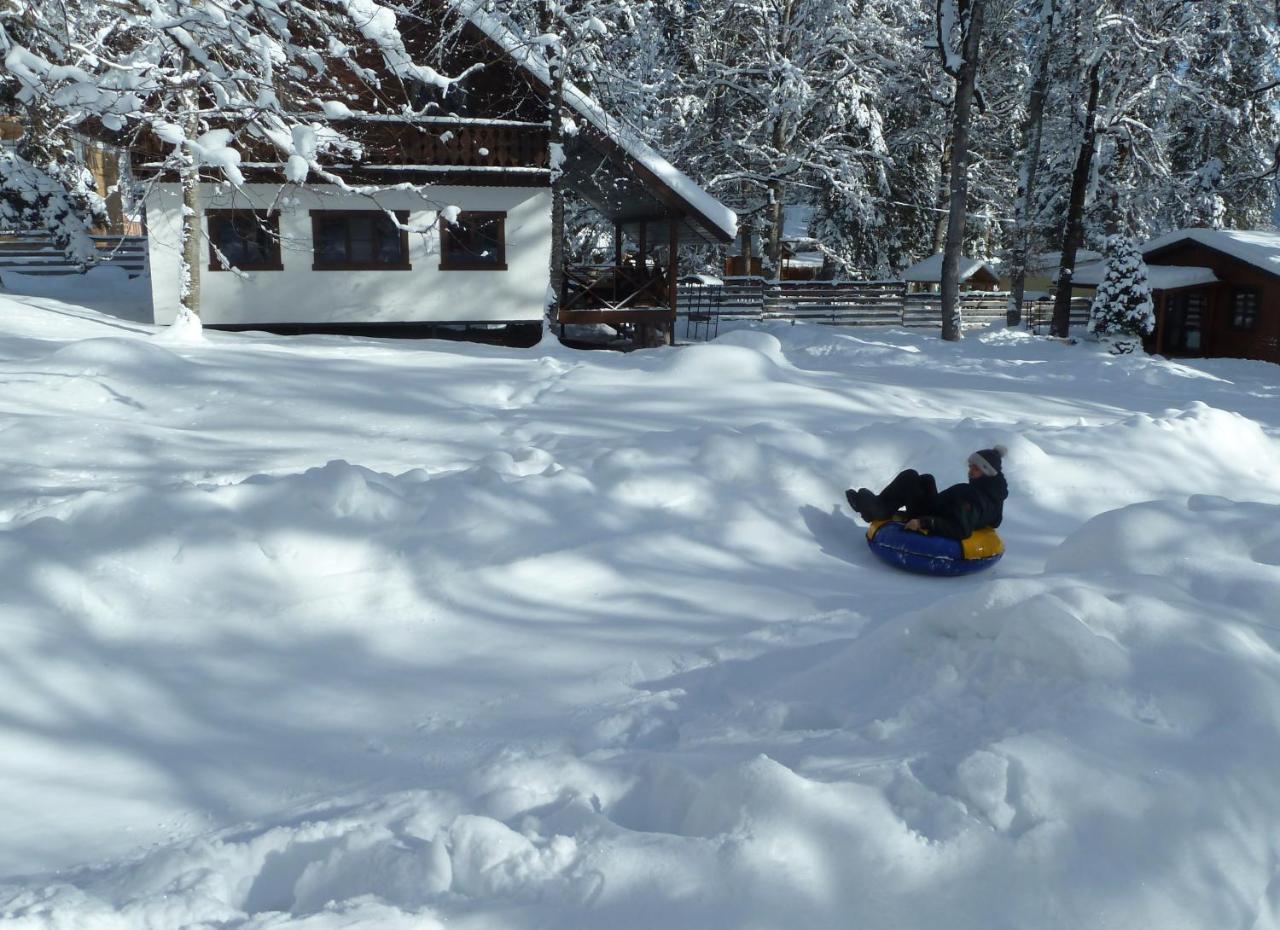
(1122, 311)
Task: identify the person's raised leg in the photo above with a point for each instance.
(923, 501)
(898, 493)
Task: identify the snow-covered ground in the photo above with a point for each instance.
(328, 632)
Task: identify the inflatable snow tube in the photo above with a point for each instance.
(933, 555)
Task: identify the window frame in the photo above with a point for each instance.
(269, 218)
(1253, 314)
(447, 263)
(319, 216)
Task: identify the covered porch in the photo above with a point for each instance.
(1185, 320)
(654, 210)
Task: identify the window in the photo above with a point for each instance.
(474, 242)
(245, 240)
(359, 240)
(1244, 309)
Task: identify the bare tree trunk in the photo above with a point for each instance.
(1074, 230)
(189, 237)
(555, 144)
(777, 204)
(778, 140)
(943, 197)
(958, 207)
(1032, 136)
(777, 217)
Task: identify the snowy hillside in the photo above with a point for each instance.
(323, 632)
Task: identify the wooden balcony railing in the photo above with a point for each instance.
(613, 288)
(387, 143)
(471, 145)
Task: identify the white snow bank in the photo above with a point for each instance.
(1097, 728)
(326, 632)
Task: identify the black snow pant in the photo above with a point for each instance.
(910, 491)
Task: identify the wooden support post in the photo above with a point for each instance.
(617, 245)
(1162, 306)
(673, 273)
(644, 244)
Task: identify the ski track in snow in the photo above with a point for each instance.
(333, 633)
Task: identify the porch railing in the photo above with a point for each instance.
(614, 288)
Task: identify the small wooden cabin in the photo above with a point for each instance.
(1234, 315)
(926, 275)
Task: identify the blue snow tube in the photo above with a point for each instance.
(933, 555)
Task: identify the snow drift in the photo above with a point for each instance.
(325, 633)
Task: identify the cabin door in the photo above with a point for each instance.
(1186, 318)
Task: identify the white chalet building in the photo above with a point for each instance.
(467, 179)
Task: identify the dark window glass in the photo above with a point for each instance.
(244, 240)
(365, 240)
(474, 241)
(1244, 309)
(331, 243)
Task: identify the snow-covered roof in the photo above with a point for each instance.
(796, 218)
(1087, 274)
(711, 211)
(805, 260)
(929, 271)
(1257, 247)
(1159, 277)
(1048, 262)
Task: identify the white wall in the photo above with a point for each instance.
(300, 295)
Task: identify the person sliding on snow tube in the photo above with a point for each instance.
(955, 512)
(917, 527)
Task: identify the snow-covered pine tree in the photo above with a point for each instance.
(1122, 311)
(44, 184)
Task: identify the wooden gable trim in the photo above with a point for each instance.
(1152, 258)
(610, 147)
(678, 205)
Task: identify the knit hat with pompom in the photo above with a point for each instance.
(989, 461)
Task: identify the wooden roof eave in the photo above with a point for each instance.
(676, 205)
(1151, 258)
(634, 199)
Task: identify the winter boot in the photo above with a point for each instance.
(866, 504)
(871, 507)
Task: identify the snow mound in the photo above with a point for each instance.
(342, 633)
(135, 359)
(1200, 538)
(1077, 721)
(405, 861)
(1006, 728)
(736, 357)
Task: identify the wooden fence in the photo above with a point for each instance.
(1038, 314)
(34, 253)
(847, 303)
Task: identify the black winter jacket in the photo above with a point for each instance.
(963, 508)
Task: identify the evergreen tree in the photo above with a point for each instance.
(1122, 312)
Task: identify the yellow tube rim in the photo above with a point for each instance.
(982, 544)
